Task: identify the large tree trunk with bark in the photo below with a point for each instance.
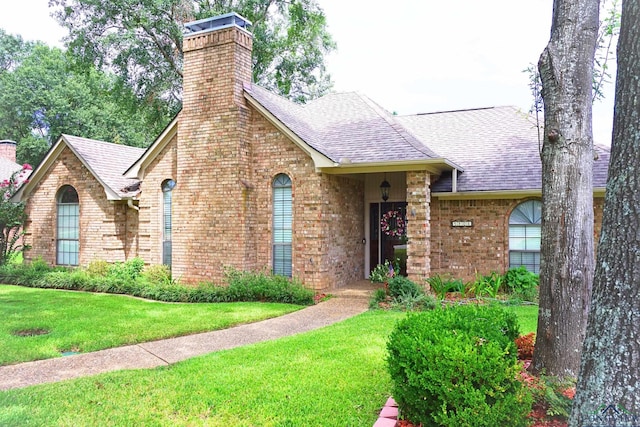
(567, 252)
(608, 390)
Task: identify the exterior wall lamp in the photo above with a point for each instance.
(384, 188)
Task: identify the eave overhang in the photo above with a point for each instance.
(137, 170)
(499, 194)
(319, 160)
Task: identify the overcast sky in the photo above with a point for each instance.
(409, 56)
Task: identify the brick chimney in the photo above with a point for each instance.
(211, 209)
(8, 149)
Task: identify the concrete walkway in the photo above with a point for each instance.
(348, 302)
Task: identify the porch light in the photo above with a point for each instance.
(384, 189)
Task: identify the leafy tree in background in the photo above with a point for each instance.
(141, 40)
(567, 248)
(607, 391)
(44, 92)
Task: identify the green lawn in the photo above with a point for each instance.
(334, 376)
(83, 322)
(527, 317)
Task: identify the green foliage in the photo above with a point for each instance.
(486, 286)
(98, 267)
(458, 366)
(379, 296)
(157, 273)
(289, 44)
(126, 271)
(44, 92)
(441, 285)
(12, 216)
(522, 284)
(400, 285)
(381, 273)
(260, 286)
(129, 278)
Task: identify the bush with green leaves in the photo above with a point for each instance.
(458, 366)
(522, 284)
(129, 278)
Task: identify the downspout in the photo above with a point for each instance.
(454, 180)
(131, 205)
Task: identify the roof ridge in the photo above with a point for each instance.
(398, 127)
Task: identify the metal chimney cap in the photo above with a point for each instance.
(217, 23)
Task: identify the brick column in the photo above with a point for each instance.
(418, 227)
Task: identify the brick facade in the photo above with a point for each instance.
(224, 155)
(151, 198)
(419, 230)
(108, 229)
(483, 247)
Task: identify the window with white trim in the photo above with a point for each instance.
(67, 226)
(524, 235)
(282, 214)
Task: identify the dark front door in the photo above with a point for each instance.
(388, 234)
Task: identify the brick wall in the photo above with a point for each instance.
(151, 203)
(484, 247)
(212, 226)
(107, 229)
(419, 231)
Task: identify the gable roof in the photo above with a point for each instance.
(345, 128)
(497, 146)
(106, 161)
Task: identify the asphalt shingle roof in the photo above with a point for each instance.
(108, 161)
(345, 126)
(497, 147)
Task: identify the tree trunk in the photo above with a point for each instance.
(608, 391)
(567, 253)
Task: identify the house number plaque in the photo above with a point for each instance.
(462, 223)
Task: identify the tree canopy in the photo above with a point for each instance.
(141, 40)
(44, 92)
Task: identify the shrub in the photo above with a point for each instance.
(522, 284)
(458, 366)
(381, 273)
(260, 286)
(98, 267)
(401, 286)
(128, 270)
(157, 274)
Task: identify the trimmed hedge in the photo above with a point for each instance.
(458, 366)
(129, 278)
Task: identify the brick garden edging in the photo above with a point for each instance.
(388, 415)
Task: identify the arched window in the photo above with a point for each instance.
(282, 213)
(167, 187)
(68, 226)
(524, 235)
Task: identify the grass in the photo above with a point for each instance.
(328, 377)
(527, 317)
(83, 322)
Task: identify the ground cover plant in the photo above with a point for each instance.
(327, 377)
(43, 323)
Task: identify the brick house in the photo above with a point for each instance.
(322, 192)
